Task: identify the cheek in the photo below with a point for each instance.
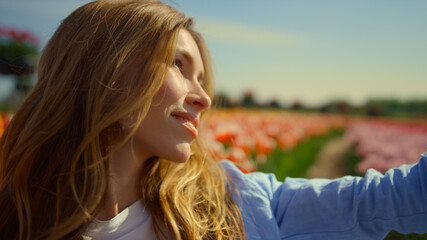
(129, 121)
(173, 88)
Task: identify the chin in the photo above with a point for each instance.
(181, 154)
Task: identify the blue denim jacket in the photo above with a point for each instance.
(345, 208)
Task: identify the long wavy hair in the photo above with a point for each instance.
(106, 60)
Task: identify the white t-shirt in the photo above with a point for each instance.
(132, 223)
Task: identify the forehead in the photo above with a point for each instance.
(187, 45)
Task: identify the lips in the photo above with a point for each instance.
(188, 121)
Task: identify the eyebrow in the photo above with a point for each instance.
(190, 59)
(186, 55)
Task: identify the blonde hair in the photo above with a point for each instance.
(105, 61)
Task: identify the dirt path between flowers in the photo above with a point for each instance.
(331, 160)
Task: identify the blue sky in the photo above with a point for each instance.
(308, 50)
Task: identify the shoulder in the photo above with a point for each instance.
(257, 182)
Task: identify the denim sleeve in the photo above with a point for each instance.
(349, 207)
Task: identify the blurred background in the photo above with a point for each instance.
(286, 53)
(303, 88)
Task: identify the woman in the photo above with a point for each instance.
(106, 147)
(112, 103)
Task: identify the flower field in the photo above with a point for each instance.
(249, 137)
(384, 144)
(260, 140)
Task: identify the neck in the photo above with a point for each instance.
(123, 182)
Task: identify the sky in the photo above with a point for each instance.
(290, 50)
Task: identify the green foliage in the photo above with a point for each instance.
(17, 57)
(12, 50)
(352, 161)
(393, 235)
(295, 162)
(395, 108)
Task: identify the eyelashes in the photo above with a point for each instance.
(177, 63)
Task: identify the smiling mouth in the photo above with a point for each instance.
(188, 122)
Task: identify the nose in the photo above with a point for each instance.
(199, 99)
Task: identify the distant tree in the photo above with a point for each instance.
(342, 106)
(416, 107)
(221, 100)
(273, 104)
(324, 109)
(374, 108)
(396, 108)
(248, 100)
(336, 106)
(297, 105)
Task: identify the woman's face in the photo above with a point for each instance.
(171, 122)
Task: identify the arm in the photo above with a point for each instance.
(345, 208)
(353, 207)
